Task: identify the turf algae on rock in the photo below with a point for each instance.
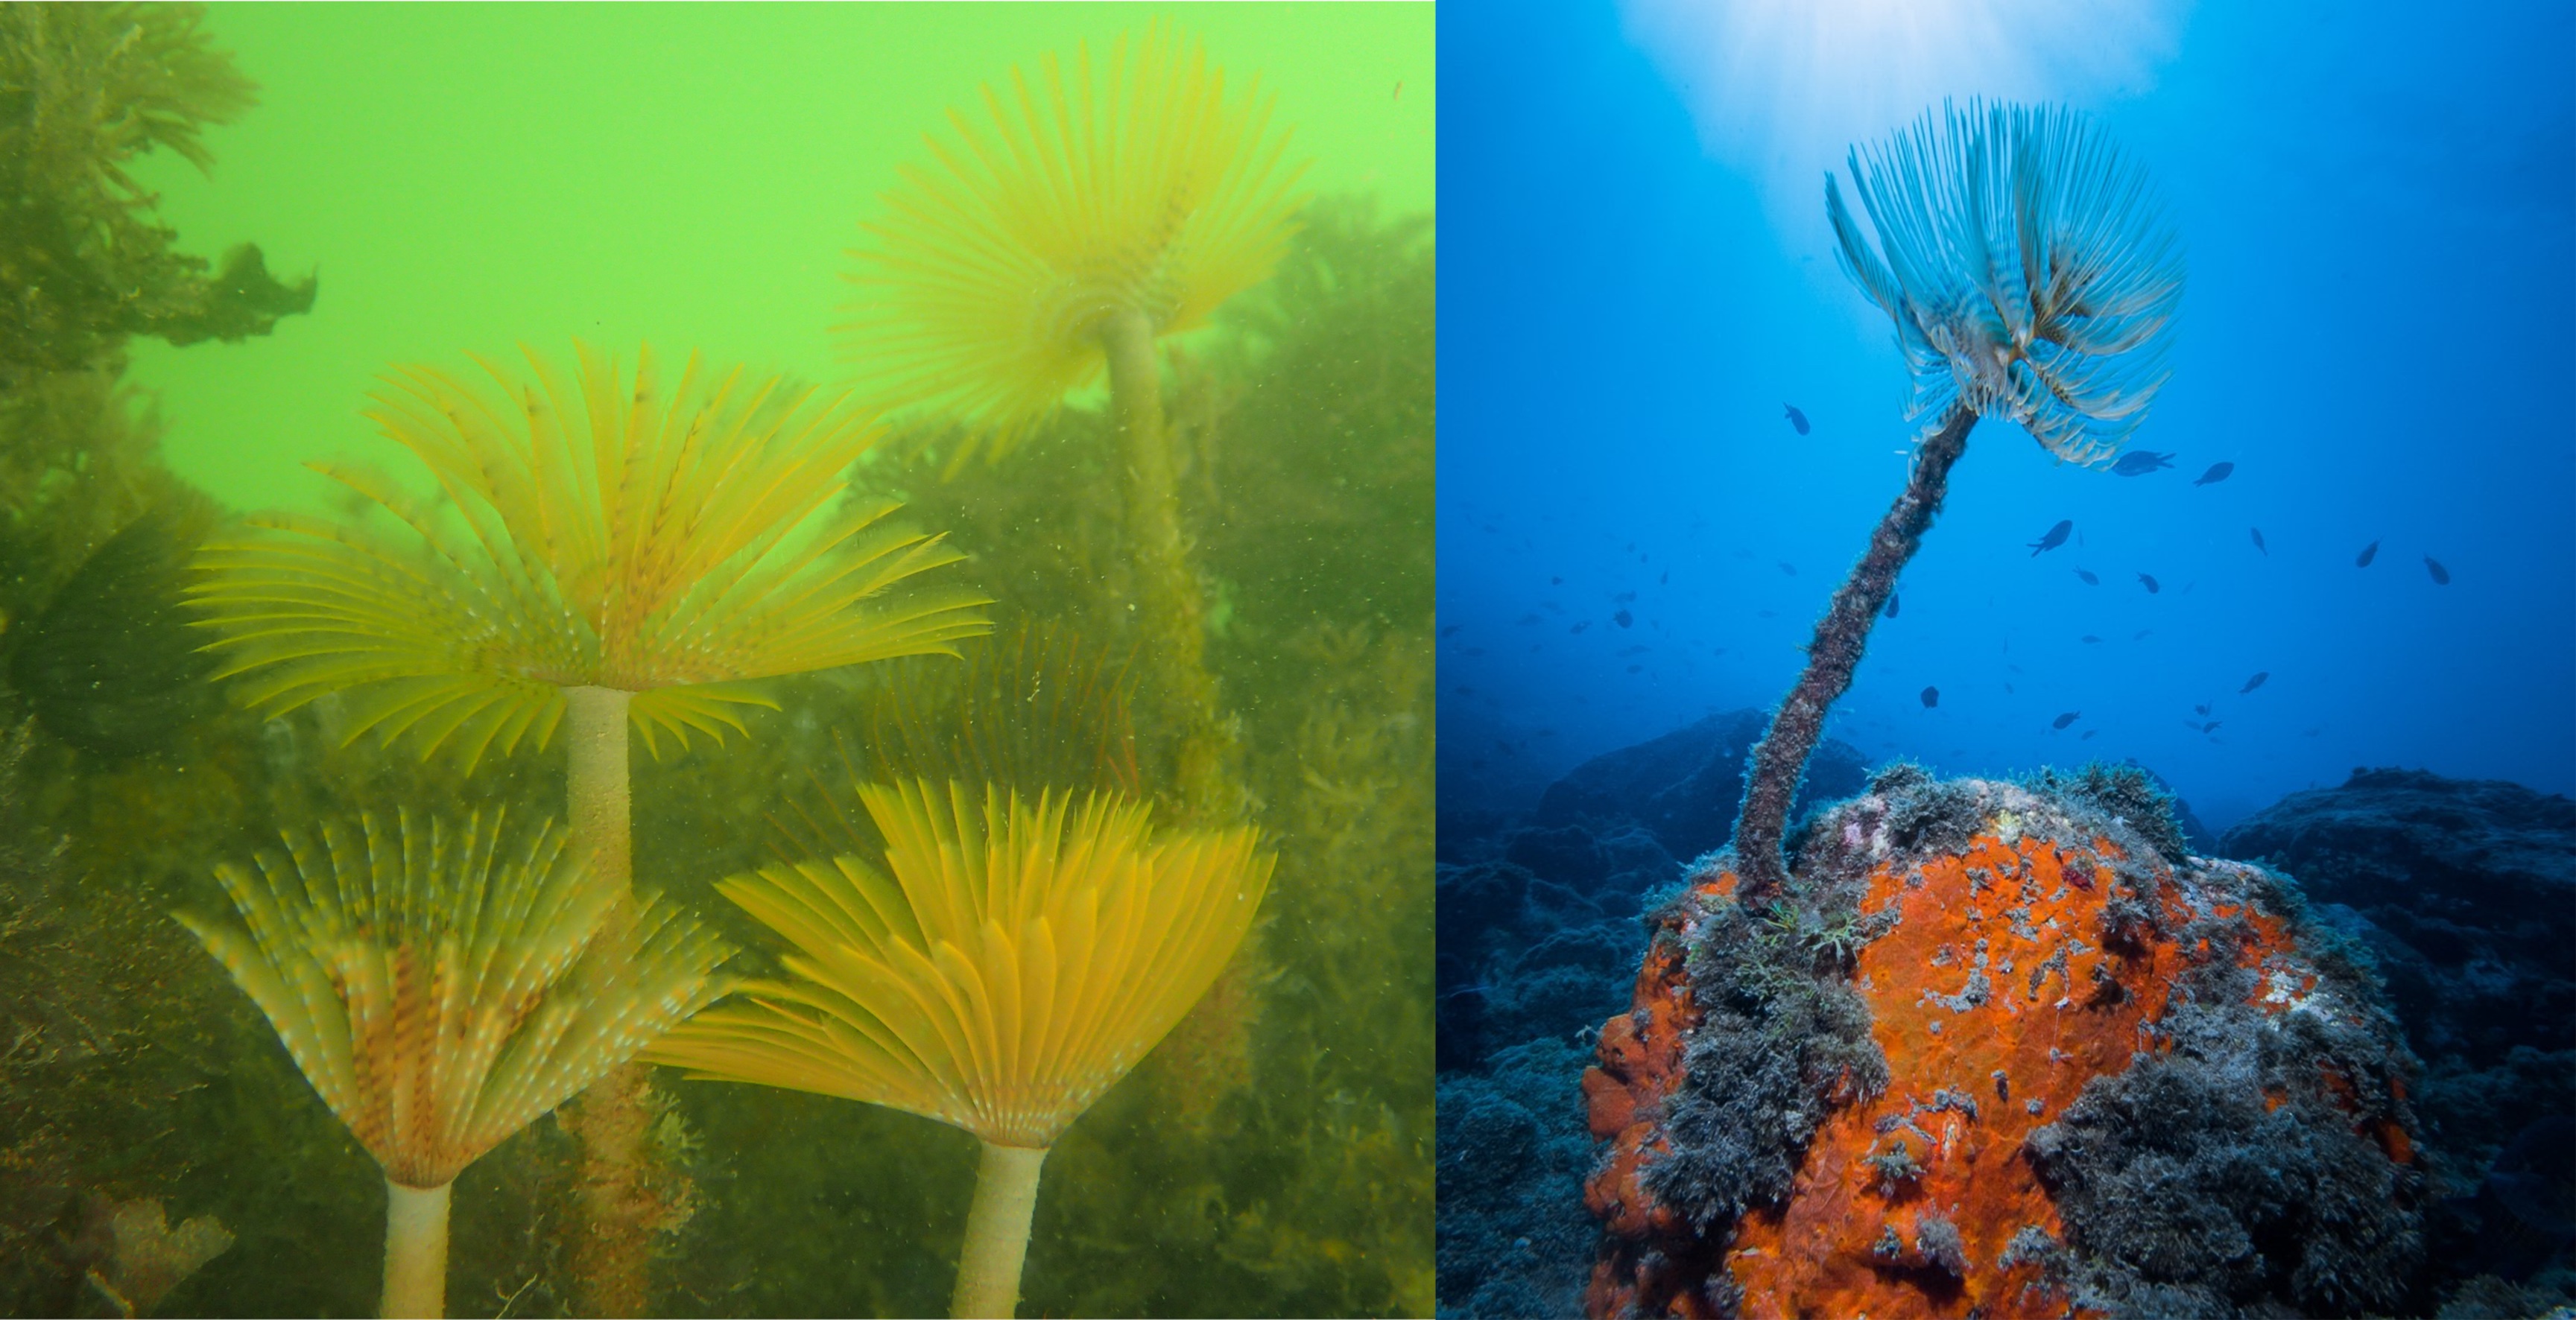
(1922, 1078)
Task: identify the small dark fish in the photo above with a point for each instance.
(1475, 650)
(1624, 619)
(1796, 418)
(1580, 626)
(1623, 598)
(1527, 619)
(2212, 726)
(1788, 568)
(2193, 725)
(2368, 552)
(2087, 575)
(2441, 575)
(1632, 547)
(2258, 541)
(1626, 651)
(1767, 614)
(2254, 682)
(1931, 697)
(1891, 604)
(1556, 581)
(2056, 537)
(1452, 630)
(2008, 689)
(1464, 690)
(2088, 637)
(2088, 733)
(1634, 668)
(1666, 580)
(2141, 634)
(2217, 473)
(2149, 583)
(2140, 462)
(1551, 607)
(2200, 710)
(2066, 719)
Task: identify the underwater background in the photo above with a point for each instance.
(2368, 207)
(422, 184)
(2329, 604)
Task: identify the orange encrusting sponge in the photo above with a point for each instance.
(2058, 1009)
(1995, 998)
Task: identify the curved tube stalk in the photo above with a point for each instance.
(1780, 759)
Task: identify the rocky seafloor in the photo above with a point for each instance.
(2447, 906)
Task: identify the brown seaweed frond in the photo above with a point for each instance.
(1013, 960)
(104, 84)
(1137, 185)
(671, 544)
(442, 988)
(84, 261)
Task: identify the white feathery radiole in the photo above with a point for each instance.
(2027, 270)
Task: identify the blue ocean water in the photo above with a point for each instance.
(2378, 211)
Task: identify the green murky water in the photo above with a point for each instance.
(461, 181)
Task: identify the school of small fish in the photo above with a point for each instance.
(2135, 463)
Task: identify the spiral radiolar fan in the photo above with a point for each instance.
(442, 988)
(1021, 958)
(2026, 271)
(2028, 279)
(1135, 187)
(621, 537)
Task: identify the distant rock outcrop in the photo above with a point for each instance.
(2464, 892)
(2470, 886)
(1686, 786)
(1514, 1236)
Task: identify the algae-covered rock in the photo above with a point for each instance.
(1512, 1159)
(1994, 1052)
(2464, 894)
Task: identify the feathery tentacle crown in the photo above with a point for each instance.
(442, 988)
(1022, 957)
(2028, 273)
(1138, 187)
(667, 543)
